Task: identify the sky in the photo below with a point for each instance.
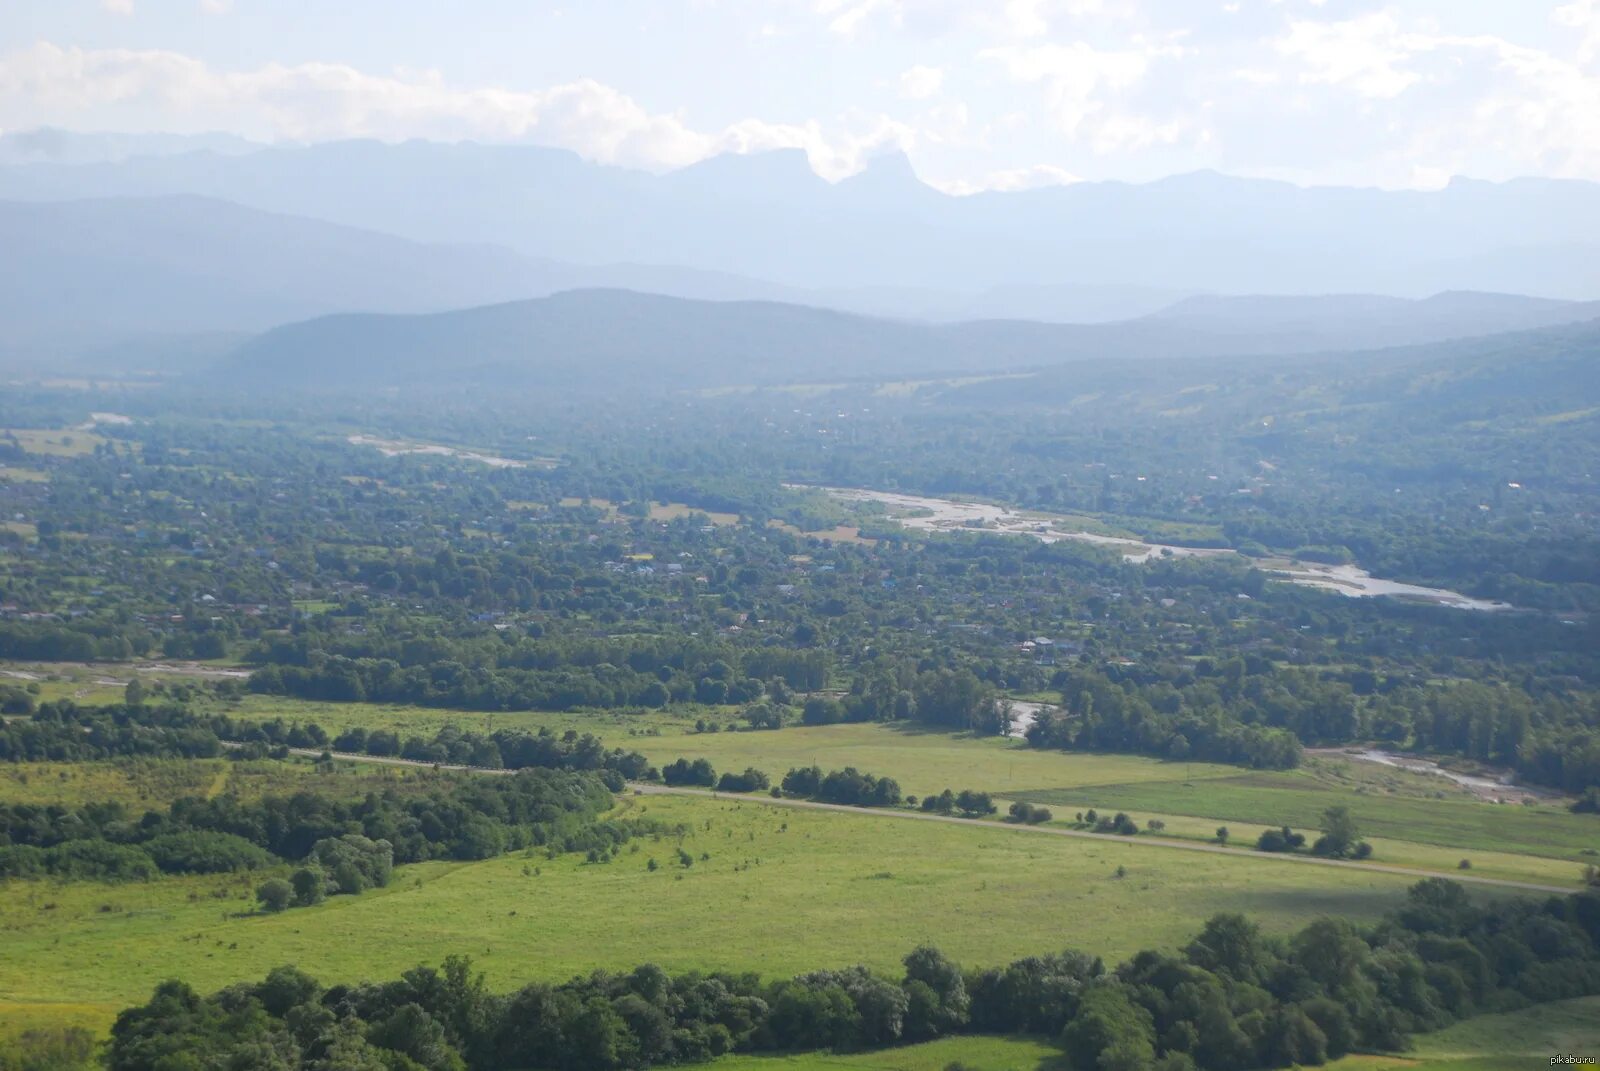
(1003, 94)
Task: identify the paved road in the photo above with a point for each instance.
(1143, 841)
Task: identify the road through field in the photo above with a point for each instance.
(1142, 841)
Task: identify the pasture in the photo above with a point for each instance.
(1413, 818)
(773, 890)
(1510, 1041)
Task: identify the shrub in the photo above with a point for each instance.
(1028, 814)
(1120, 824)
(752, 780)
(684, 772)
(274, 895)
(201, 852)
(1280, 840)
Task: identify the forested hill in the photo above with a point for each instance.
(595, 336)
(1503, 377)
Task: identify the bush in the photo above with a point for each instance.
(205, 853)
(752, 780)
(274, 895)
(684, 772)
(1028, 814)
(975, 803)
(1121, 824)
(310, 886)
(98, 860)
(1280, 840)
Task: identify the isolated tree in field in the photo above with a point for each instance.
(274, 895)
(1340, 836)
(1222, 834)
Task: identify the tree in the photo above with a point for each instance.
(310, 886)
(974, 803)
(937, 994)
(274, 895)
(686, 772)
(1222, 834)
(1339, 833)
(1110, 1032)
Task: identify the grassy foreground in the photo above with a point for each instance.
(783, 891)
(1510, 1042)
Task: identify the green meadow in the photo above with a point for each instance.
(1410, 818)
(1298, 798)
(1512, 1041)
(774, 890)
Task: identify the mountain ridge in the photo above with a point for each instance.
(594, 335)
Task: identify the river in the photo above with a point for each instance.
(925, 514)
(1499, 789)
(394, 448)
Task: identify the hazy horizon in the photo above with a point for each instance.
(980, 96)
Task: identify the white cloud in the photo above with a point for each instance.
(49, 85)
(920, 83)
(1082, 85)
(117, 7)
(1011, 179)
(1010, 19)
(1367, 54)
(216, 7)
(1584, 17)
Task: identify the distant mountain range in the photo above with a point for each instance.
(595, 337)
(882, 232)
(171, 282)
(125, 280)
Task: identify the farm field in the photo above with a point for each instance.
(783, 891)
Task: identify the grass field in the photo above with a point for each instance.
(977, 1053)
(783, 891)
(921, 761)
(1299, 798)
(1509, 1042)
(1409, 817)
(64, 442)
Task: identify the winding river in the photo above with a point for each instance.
(924, 514)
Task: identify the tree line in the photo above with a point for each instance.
(463, 818)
